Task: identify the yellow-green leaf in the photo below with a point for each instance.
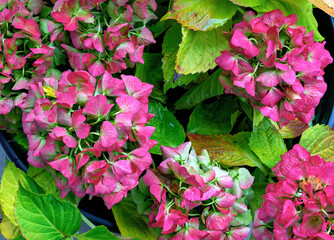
(319, 139)
(202, 15)
(198, 50)
(129, 222)
(8, 229)
(8, 190)
(232, 150)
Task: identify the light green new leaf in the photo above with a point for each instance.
(302, 8)
(97, 233)
(248, 3)
(211, 87)
(8, 190)
(47, 183)
(170, 47)
(199, 50)
(214, 118)
(267, 143)
(319, 139)
(201, 15)
(129, 223)
(168, 130)
(44, 217)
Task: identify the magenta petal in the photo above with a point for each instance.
(108, 134)
(96, 106)
(6, 105)
(273, 97)
(62, 164)
(70, 141)
(123, 167)
(226, 201)
(289, 214)
(113, 198)
(269, 78)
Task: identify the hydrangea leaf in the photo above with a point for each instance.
(8, 229)
(248, 3)
(170, 47)
(47, 183)
(44, 217)
(8, 190)
(97, 233)
(292, 129)
(199, 50)
(214, 118)
(202, 15)
(151, 72)
(210, 87)
(267, 143)
(168, 130)
(259, 189)
(129, 222)
(302, 8)
(232, 150)
(319, 139)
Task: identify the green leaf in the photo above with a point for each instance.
(259, 189)
(231, 150)
(151, 72)
(44, 217)
(8, 190)
(170, 47)
(242, 219)
(21, 138)
(59, 56)
(97, 233)
(302, 8)
(129, 222)
(47, 183)
(209, 88)
(248, 3)
(199, 50)
(168, 130)
(29, 184)
(213, 118)
(267, 143)
(319, 139)
(201, 15)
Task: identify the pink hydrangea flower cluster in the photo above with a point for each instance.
(301, 204)
(90, 133)
(24, 57)
(102, 35)
(95, 35)
(194, 198)
(276, 65)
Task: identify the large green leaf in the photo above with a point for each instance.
(199, 50)
(202, 15)
(209, 88)
(319, 139)
(249, 3)
(97, 233)
(129, 223)
(168, 130)
(214, 118)
(47, 183)
(44, 217)
(8, 190)
(170, 47)
(267, 143)
(151, 72)
(302, 8)
(232, 150)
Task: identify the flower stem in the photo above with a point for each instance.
(89, 223)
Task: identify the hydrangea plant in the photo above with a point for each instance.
(93, 88)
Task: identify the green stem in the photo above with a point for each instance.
(89, 223)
